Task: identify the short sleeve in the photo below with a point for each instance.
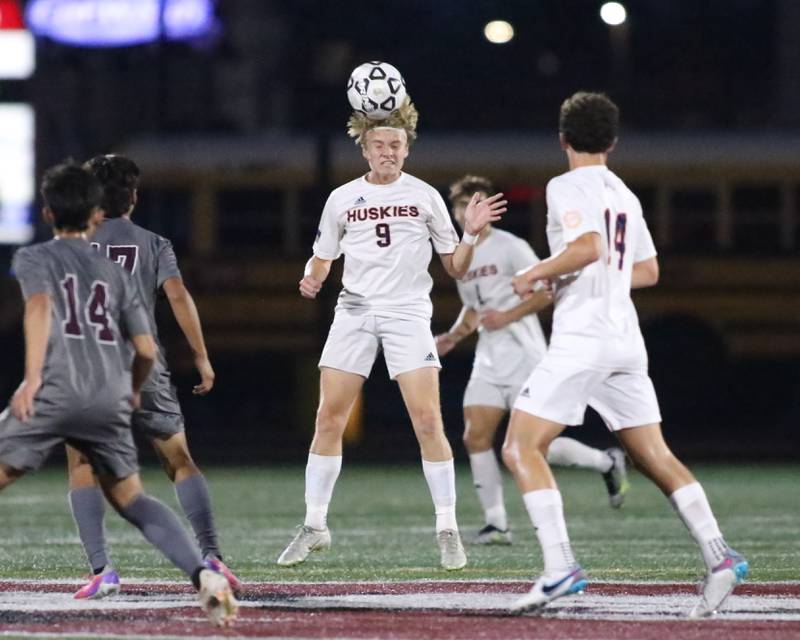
(134, 317)
(167, 263)
(522, 255)
(571, 210)
(440, 226)
(329, 233)
(30, 273)
(645, 248)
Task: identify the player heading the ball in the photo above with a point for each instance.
(384, 223)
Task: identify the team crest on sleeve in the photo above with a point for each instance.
(572, 219)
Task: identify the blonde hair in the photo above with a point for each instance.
(405, 117)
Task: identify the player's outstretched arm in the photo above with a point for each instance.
(477, 215)
(645, 273)
(492, 319)
(37, 334)
(466, 323)
(580, 253)
(143, 358)
(185, 312)
(314, 276)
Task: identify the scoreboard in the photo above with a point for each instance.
(17, 127)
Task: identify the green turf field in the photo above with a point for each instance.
(382, 526)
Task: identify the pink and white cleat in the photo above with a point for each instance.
(100, 586)
(215, 564)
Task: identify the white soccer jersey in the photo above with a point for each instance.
(506, 356)
(385, 234)
(595, 321)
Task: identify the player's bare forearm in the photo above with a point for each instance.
(37, 334)
(460, 260)
(537, 301)
(143, 359)
(645, 273)
(186, 315)
(579, 253)
(314, 275)
(466, 324)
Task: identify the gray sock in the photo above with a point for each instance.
(162, 528)
(88, 508)
(196, 503)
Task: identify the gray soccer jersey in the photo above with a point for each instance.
(95, 307)
(86, 381)
(505, 356)
(150, 259)
(385, 233)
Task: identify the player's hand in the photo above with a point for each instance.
(492, 319)
(22, 400)
(524, 282)
(136, 400)
(207, 375)
(479, 213)
(444, 344)
(309, 287)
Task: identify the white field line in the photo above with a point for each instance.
(581, 607)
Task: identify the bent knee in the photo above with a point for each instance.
(330, 423)
(427, 422)
(476, 442)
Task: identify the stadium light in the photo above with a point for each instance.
(498, 31)
(613, 13)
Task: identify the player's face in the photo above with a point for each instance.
(386, 150)
(460, 207)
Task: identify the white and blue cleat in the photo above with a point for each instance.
(719, 584)
(549, 587)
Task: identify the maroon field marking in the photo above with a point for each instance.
(397, 625)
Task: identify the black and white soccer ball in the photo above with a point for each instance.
(376, 89)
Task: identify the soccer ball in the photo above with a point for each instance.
(376, 89)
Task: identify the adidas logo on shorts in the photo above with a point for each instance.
(360, 200)
(525, 393)
(430, 357)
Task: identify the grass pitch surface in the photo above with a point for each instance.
(382, 525)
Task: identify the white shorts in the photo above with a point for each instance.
(354, 340)
(487, 394)
(561, 393)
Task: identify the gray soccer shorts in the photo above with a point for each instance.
(159, 416)
(101, 432)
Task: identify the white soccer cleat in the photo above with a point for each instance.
(306, 541)
(216, 598)
(719, 584)
(451, 550)
(549, 587)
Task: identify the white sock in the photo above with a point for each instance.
(692, 506)
(566, 452)
(489, 485)
(441, 477)
(547, 514)
(321, 475)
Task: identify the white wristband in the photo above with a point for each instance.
(468, 238)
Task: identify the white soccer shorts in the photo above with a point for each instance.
(354, 340)
(560, 392)
(487, 394)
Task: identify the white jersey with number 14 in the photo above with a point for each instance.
(595, 321)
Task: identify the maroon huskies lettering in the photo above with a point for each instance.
(380, 213)
(481, 272)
